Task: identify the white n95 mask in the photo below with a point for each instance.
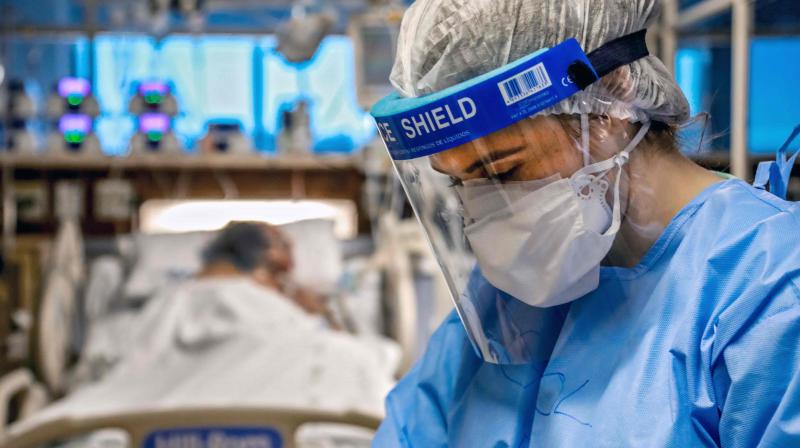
(544, 247)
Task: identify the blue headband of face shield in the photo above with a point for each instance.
(419, 127)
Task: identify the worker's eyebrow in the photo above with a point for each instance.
(481, 162)
(491, 158)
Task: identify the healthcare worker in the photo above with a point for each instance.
(609, 292)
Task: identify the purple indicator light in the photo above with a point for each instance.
(154, 123)
(151, 87)
(73, 86)
(75, 123)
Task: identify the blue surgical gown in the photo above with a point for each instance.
(696, 346)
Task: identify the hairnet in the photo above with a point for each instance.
(445, 42)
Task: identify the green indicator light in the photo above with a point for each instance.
(154, 136)
(152, 98)
(74, 137)
(74, 100)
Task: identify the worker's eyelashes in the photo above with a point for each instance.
(505, 176)
(501, 177)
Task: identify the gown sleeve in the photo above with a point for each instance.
(762, 403)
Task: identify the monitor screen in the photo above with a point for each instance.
(154, 122)
(75, 123)
(153, 91)
(379, 43)
(73, 86)
(75, 127)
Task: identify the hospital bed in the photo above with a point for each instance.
(386, 289)
(128, 271)
(198, 427)
(132, 268)
(20, 390)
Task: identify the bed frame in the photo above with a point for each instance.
(139, 424)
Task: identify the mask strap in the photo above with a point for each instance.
(585, 139)
(621, 157)
(620, 160)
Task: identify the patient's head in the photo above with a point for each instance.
(254, 249)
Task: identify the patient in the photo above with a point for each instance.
(263, 253)
(240, 334)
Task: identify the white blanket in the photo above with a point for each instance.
(233, 343)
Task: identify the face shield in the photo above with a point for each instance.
(520, 208)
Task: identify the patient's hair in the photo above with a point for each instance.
(243, 244)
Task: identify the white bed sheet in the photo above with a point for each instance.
(233, 343)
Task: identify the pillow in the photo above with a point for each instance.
(317, 254)
(162, 259)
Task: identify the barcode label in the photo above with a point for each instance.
(525, 84)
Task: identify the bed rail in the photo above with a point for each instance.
(140, 424)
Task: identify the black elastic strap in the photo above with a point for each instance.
(609, 57)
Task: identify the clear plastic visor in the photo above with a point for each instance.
(520, 221)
